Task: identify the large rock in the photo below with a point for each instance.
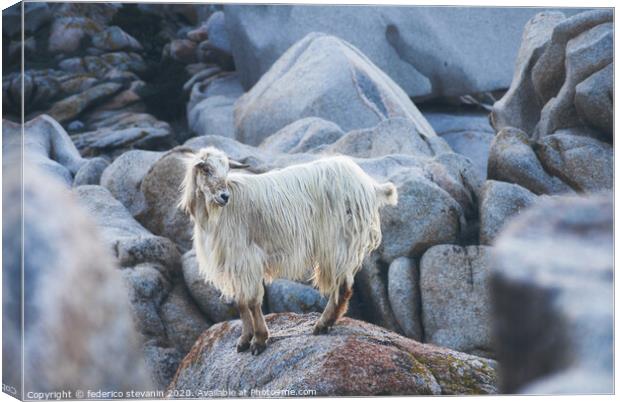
(404, 295)
(354, 359)
(585, 164)
(117, 131)
(499, 202)
(372, 289)
(167, 317)
(332, 80)
(513, 159)
(552, 285)
(557, 56)
(69, 108)
(208, 298)
(160, 187)
(447, 62)
(124, 177)
(304, 135)
(426, 215)
(68, 33)
(45, 144)
(113, 38)
(67, 274)
(456, 305)
(91, 171)
(564, 162)
(284, 296)
(395, 135)
(211, 105)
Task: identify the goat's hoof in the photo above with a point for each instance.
(320, 329)
(257, 348)
(243, 345)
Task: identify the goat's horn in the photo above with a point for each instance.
(237, 165)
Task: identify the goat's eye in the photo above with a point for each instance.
(204, 168)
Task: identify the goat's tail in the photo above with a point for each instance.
(386, 194)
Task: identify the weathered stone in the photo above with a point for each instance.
(585, 164)
(183, 50)
(356, 358)
(304, 135)
(211, 105)
(552, 285)
(91, 171)
(392, 136)
(512, 159)
(206, 295)
(38, 90)
(371, 288)
(160, 187)
(63, 254)
(448, 62)
(594, 100)
(45, 144)
(284, 296)
(68, 33)
(124, 130)
(69, 108)
(558, 55)
(124, 177)
(114, 38)
(586, 54)
(333, 81)
(404, 296)
(519, 107)
(499, 202)
(456, 306)
(183, 320)
(425, 215)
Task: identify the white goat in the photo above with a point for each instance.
(322, 215)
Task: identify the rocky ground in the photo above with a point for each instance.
(500, 246)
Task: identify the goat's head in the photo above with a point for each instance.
(206, 177)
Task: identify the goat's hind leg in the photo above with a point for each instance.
(247, 329)
(261, 333)
(334, 310)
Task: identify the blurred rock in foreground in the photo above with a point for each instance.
(552, 286)
(78, 329)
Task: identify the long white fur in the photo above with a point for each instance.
(322, 215)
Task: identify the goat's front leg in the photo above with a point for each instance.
(247, 330)
(261, 333)
(334, 310)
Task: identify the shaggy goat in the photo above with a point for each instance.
(253, 228)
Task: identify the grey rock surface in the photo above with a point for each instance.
(124, 176)
(557, 260)
(64, 254)
(558, 55)
(404, 295)
(500, 202)
(285, 296)
(356, 358)
(333, 80)
(447, 62)
(208, 298)
(456, 304)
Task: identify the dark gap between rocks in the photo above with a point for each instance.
(163, 94)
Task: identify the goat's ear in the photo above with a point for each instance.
(185, 151)
(237, 165)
